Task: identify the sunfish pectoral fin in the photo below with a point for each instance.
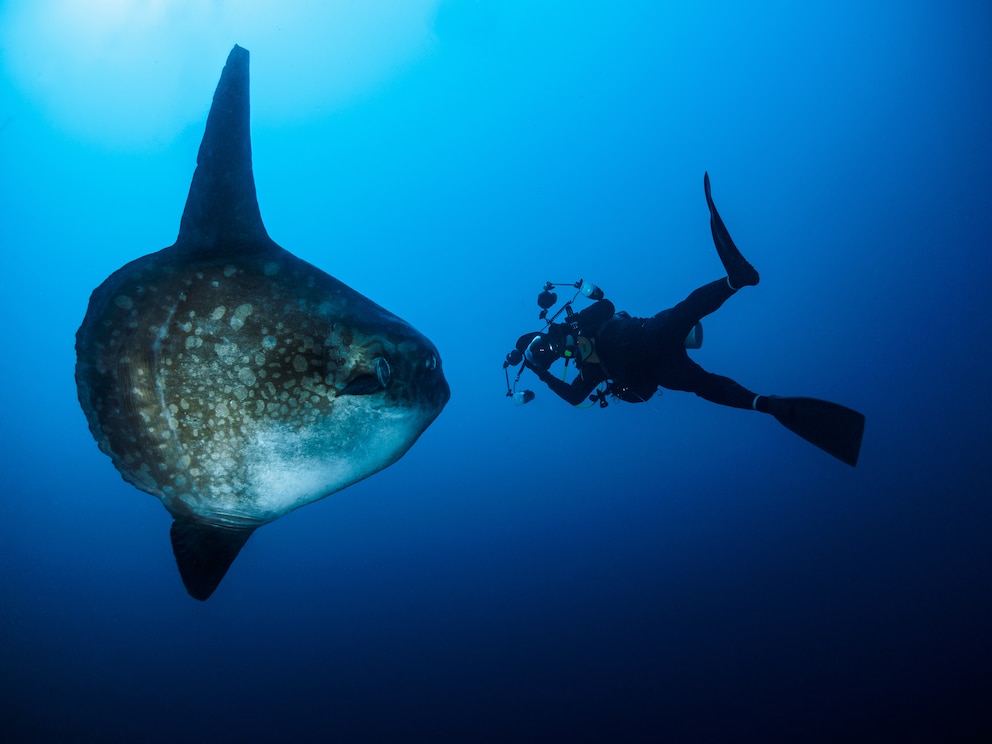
(204, 553)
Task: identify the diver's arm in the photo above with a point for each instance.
(594, 316)
(576, 392)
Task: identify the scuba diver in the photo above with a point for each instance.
(632, 357)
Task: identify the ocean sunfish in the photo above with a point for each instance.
(235, 381)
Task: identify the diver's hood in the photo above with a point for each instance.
(524, 341)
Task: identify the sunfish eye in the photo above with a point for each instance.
(431, 362)
(383, 371)
(370, 383)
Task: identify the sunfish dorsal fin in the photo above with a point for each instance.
(222, 209)
(204, 553)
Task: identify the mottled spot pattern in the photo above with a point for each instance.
(215, 385)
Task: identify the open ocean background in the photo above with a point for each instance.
(675, 571)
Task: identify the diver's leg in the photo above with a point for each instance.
(739, 272)
(703, 301)
(681, 373)
(833, 428)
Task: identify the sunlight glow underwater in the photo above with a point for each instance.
(125, 73)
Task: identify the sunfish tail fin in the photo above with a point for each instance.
(834, 428)
(204, 553)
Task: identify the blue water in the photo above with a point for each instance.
(675, 571)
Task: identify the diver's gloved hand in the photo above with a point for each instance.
(540, 371)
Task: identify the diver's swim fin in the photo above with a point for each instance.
(832, 427)
(739, 271)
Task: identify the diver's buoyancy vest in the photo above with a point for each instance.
(627, 358)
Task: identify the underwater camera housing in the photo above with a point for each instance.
(546, 300)
(554, 343)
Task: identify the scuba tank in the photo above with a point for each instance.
(695, 338)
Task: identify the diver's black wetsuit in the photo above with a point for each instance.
(639, 354)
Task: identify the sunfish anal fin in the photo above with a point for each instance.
(204, 553)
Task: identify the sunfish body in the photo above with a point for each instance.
(236, 382)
